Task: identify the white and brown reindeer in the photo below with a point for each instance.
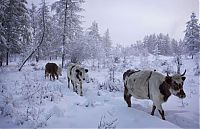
(76, 74)
(154, 86)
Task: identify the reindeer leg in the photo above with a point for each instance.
(50, 76)
(76, 90)
(125, 93)
(56, 75)
(153, 110)
(161, 111)
(68, 82)
(73, 84)
(129, 100)
(81, 90)
(53, 76)
(127, 97)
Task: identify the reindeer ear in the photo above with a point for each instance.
(86, 70)
(183, 78)
(168, 79)
(77, 70)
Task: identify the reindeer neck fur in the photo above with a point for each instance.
(165, 90)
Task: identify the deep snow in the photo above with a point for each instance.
(101, 108)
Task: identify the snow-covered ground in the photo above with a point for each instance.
(98, 107)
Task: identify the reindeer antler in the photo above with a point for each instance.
(167, 73)
(183, 73)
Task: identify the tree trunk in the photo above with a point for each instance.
(7, 56)
(37, 55)
(64, 37)
(1, 60)
(43, 34)
(178, 65)
(32, 52)
(63, 59)
(113, 76)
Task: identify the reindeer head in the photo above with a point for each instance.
(176, 82)
(81, 73)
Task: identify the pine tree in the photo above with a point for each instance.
(40, 42)
(152, 42)
(156, 51)
(44, 49)
(174, 46)
(15, 24)
(146, 42)
(54, 39)
(33, 18)
(67, 13)
(33, 27)
(95, 42)
(107, 43)
(3, 45)
(191, 38)
(163, 44)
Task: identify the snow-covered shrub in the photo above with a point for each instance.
(167, 67)
(144, 61)
(156, 63)
(35, 67)
(178, 62)
(197, 68)
(111, 86)
(108, 121)
(196, 71)
(124, 63)
(52, 96)
(90, 102)
(6, 101)
(23, 102)
(117, 60)
(89, 79)
(112, 68)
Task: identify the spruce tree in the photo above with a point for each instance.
(191, 38)
(3, 45)
(44, 49)
(66, 11)
(107, 43)
(33, 27)
(15, 24)
(94, 39)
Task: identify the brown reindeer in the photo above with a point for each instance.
(53, 70)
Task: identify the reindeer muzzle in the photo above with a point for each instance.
(181, 94)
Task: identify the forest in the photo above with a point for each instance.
(32, 36)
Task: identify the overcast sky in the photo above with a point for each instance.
(130, 20)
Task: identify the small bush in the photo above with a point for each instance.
(111, 86)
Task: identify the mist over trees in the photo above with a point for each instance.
(21, 31)
(162, 44)
(159, 45)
